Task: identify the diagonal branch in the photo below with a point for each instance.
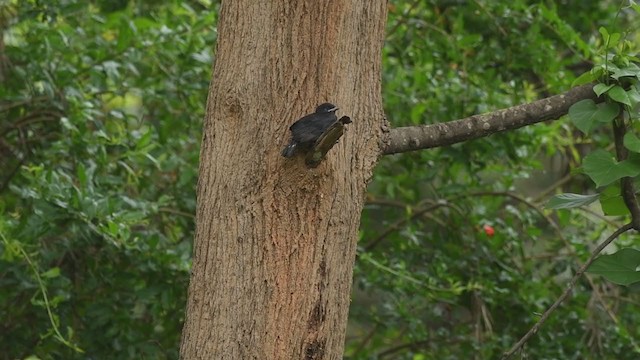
(567, 291)
(412, 138)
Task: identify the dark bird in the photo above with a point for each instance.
(309, 128)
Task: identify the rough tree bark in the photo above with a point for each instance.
(275, 241)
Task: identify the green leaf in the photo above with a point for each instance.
(618, 94)
(611, 201)
(145, 140)
(614, 40)
(417, 113)
(126, 35)
(632, 142)
(585, 113)
(611, 40)
(568, 201)
(600, 89)
(51, 273)
(619, 268)
(614, 206)
(82, 175)
(585, 78)
(602, 168)
(603, 31)
(634, 96)
(630, 70)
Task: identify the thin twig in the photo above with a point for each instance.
(403, 19)
(546, 192)
(526, 202)
(599, 297)
(534, 329)
(493, 17)
(43, 289)
(365, 341)
(600, 217)
(387, 202)
(176, 212)
(7, 105)
(396, 225)
(11, 174)
(448, 203)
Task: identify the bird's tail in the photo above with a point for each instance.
(290, 150)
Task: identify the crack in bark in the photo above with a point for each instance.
(315, 350)
(317, 317)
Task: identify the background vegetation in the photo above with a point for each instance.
(101, 107)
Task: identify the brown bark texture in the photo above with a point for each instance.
(275, 241)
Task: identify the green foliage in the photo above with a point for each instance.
(101, 110)
(618, 81)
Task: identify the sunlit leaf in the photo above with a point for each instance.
(568, 200)
(585, 78)
(51, 273)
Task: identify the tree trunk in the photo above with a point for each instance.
(275, 241)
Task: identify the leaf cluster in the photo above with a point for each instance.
(101, 108)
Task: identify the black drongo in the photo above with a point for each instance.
(309, 128)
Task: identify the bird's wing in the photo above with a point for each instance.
(300, 121)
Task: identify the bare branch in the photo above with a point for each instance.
(412, 138)
(534, 329)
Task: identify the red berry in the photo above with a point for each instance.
(489, 230)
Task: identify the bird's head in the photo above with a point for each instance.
(326, 108)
